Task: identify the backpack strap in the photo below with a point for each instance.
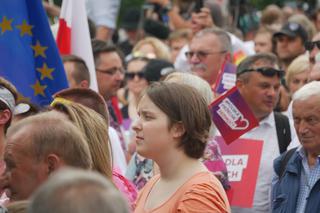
(283, 131)
(284, 162)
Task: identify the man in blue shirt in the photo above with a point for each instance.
(296, 187)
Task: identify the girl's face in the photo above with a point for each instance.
(153, 135)
(135, 77)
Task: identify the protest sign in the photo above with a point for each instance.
(232, 116)
(226, 78)
(242, 159)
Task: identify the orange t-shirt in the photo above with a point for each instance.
(201, 193)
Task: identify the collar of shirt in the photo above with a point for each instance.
(303, 154)
(267, 121)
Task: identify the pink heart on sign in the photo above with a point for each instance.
(241, 123)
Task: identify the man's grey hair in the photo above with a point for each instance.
(222, 35)
(77, 191)
(248, 63)
(308, 90)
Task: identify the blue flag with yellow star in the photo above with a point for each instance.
(29, 57)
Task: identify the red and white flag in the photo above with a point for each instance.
(74, 37)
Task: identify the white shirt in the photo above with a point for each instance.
(267, 132)
(103, 12)
(118, 157)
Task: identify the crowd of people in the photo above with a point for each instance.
(145, 141)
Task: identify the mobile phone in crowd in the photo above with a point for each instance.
(198, 6)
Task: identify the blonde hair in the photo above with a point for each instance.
(95, 129)
(180, 34)
(18, 206)
(161, 49)
(298, 65)
(193, 80)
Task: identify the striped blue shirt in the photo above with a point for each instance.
(309, 176)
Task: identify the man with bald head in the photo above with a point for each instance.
(35, 147)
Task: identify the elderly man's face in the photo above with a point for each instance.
(24, 173)
(306, 114)
(207, 56)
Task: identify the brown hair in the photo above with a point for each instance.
(182, 103)
(81, 71)
(88, 98)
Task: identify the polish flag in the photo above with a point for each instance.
(73, 35)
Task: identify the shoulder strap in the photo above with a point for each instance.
(283, 131)
(284, 161)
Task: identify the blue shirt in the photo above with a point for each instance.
(309, 176)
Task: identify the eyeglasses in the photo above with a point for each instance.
(111, 71)
(266, 71)
(131, 75)
(201, 54)
(309, 45)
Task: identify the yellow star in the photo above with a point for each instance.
(39, 50)
(39, 89)
(25, 28)
(45, 71)
(6, 24)
(22, 98)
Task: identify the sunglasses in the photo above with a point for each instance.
(201, 54)
(131, 75)
(309, 45)
(265, 71)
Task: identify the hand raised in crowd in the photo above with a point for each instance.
(202, 19)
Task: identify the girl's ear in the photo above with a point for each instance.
(178, 130)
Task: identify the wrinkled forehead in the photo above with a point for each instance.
(310, 105)
(205, 41)
(18, 141)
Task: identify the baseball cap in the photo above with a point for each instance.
(156, 69)
(7, 98)
(292, 30)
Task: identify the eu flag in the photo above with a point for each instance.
(29, 57)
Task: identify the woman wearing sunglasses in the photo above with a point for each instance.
(135, 83)
(172, 129)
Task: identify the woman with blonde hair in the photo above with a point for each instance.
(151, 47)
(297, 73)
(95, 129)
(296, 76)
(97, 135)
